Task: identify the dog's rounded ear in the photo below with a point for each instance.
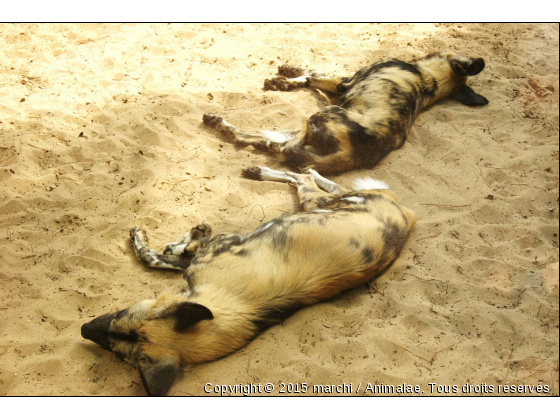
(467, 96)
(158, 376)
(186, 314)
(467, 67)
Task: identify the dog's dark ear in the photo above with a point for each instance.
(467, 67)
(467, 96)
(158, 376)
(186, 314)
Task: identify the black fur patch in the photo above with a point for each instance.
(242, 253)
(354, 243)
(467, 96)
(132, 337)
(367, 253)
(229, 241)
(188, 279)
(377, 67)
(187, 314)
(318, 135)
(252, 173)
(368, 148)
(272, 316)
(429, 88)
(296, 157)
(158, 377)
(394, 237)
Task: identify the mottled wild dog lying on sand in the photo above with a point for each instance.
(372, 117)
(236, 285)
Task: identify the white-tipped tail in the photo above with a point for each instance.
(368, 183)
(276, 136)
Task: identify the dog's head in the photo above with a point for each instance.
(451, 71)
(147, 335)
(463, 67)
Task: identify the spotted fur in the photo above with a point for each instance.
(234, 285)
(372, 116)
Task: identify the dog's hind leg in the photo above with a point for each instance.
(270, 141)
(326, 184)
(310, 196)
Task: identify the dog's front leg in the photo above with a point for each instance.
(292, 78)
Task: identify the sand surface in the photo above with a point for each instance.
(101, 130)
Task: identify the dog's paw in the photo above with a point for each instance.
(290, 71)
(138, 236)
(204, 229)
(211, 120)
(252, 173)
(284, 85)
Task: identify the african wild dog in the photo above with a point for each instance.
(373, 115)
(236, 285)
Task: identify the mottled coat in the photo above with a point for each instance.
(236, 285)
(373, 115)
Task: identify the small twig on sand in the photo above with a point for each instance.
(532, 186)
(444, 205)
(439, 351)
(509, 358)
(420, 357)
(432, 304)
(69, 179)
(547, 263)
(374, 290)
(249, 362)
(37, 147)
(262, 208)
(508, 365)
(535, 372)
(183, 393)
(420, 278)
(78, 161)
(195, 155)
(482, 175)
(359, 326)
(428, 237)
(114, 97)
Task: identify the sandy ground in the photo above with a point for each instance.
(100, 130)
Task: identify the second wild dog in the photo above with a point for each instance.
(373, 115)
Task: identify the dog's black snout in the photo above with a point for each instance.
(477, 65)
(98, 330)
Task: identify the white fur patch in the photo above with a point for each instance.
(265, 227)
(321, 211)
(300, 78)
(368, 183)
(268, 174)
(275, 136)
(179, 249)
(259, 230)
(356, 200)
